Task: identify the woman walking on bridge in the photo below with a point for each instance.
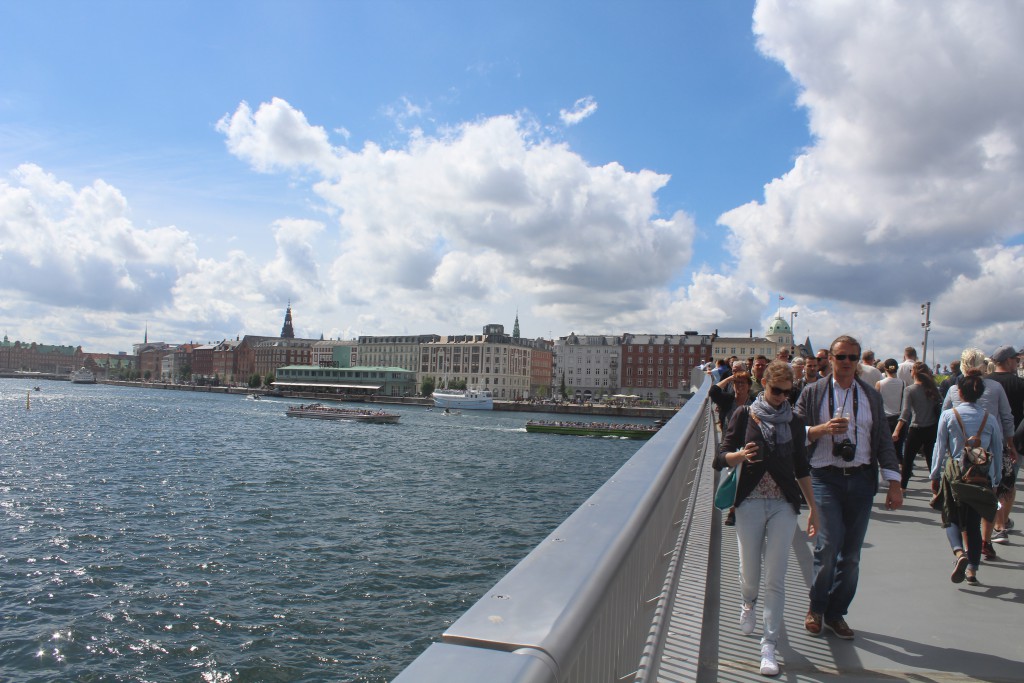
(768, 439)
(964, 504)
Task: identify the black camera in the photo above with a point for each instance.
(845, 449)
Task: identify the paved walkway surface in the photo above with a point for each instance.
(912, 623)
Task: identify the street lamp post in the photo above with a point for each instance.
(926, 309)
(792, 314)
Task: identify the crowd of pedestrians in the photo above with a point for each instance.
(826, 432)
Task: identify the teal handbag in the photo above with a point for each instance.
(725, 495)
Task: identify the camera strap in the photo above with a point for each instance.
(832, 407)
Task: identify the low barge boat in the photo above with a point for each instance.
(618, 430)
(318, 411)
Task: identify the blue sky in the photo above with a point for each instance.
(431, 167)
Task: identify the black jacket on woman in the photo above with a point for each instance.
(784, 468)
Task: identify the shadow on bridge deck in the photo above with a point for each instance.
(912, 622)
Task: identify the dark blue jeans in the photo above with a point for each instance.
(844, 508)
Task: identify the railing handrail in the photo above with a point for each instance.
(579, 606)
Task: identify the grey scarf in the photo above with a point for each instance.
(774, 422)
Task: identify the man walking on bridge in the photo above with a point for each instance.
(850, 442)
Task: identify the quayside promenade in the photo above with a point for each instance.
(641, 584)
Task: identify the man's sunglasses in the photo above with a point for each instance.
(846, 356)
(778, 391)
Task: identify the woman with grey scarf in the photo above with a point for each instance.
(768, 440)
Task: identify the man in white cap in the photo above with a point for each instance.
(1006, 359)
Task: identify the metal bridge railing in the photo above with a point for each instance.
(580, 607)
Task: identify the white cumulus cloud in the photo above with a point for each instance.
(61, 245)
(485, 212)
(914, 178)
(581, 109)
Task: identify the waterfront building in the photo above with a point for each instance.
(33, 357)
(400, 351)
(331, 353)
(110, 365)
(225, 364)
(177, 364)
(778, 336)
(657, 367)
(542, 369)
(353, 381)
(272, 354)
(151, 358)
(492, 360)
(588, 365)
(202, 363)
(805, 350)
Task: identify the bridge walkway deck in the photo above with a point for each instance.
(911, 621)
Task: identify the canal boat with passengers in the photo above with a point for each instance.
(318, 411)
(622, 430)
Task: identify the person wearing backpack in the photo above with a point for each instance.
(973, 362)
(967, 435)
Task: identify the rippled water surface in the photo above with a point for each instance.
(151, 535)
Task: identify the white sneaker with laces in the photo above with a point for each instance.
(769, 667)
(747, 619)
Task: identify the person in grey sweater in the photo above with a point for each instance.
(921, 407)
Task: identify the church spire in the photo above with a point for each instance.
(287, 332)
(515, 328)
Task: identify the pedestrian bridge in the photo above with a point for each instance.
(640, 584)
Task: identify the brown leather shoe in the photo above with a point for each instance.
(840, 628)
(812, 622)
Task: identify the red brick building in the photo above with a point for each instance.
(657, 367)
(33, 357)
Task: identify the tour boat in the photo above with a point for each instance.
(319, 411)
(464, 399)
(618, 430)
(83, 376)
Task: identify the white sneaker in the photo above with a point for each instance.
(769, 667)
(747, 619)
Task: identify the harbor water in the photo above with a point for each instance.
(151, 535)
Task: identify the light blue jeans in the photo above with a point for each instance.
(764, 534)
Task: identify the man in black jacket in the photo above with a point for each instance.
(1006, 359)
(954, 375)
